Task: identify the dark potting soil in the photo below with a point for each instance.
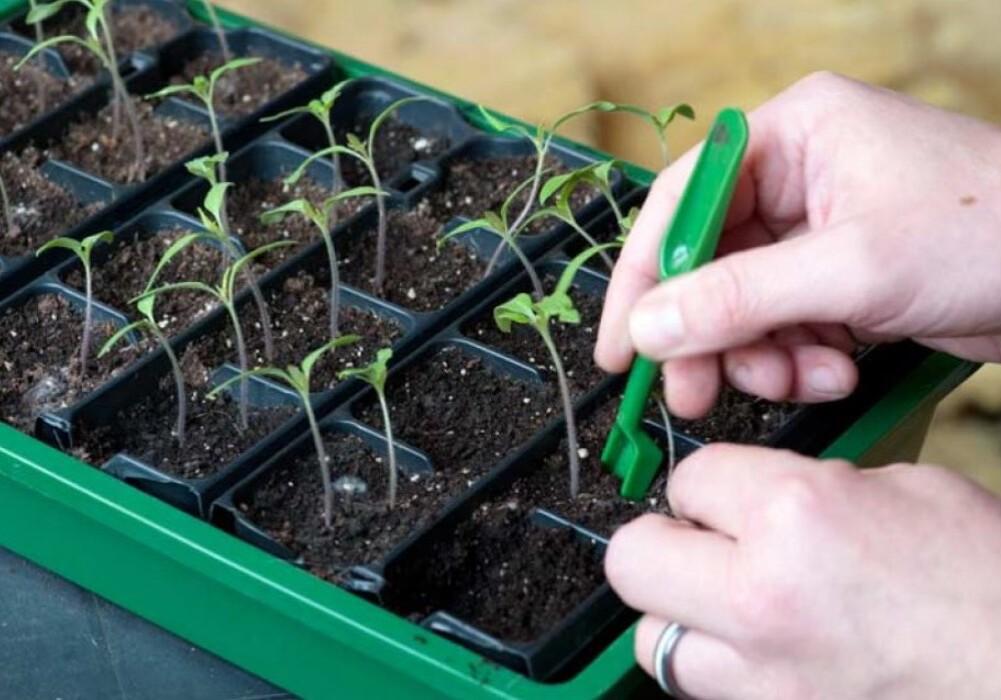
(89, 143)
(473, 186)
(125, 274)
(134, 27)
(463, 414)
(598, 507)
(288, 504)
(40, 357)
(146, 430)
(40, 209)
(419, 276)
(26, 93)
(300, 324)
(248, 200)
(738, 417)
(511, 578)
(397, 145)
(575, 342)
(244, 90)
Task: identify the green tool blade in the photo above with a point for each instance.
(690, 240)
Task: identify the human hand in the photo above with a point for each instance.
(815, 580)
(860, 215)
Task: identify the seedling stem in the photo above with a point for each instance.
(299, 379)
(324, 219)
(224, 293)
(148, 324)
(100, 42)
(375, 375)
(364, 151)
(83, 250)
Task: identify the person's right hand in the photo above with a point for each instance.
(860, 215)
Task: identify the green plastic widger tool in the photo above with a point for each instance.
(690, 241)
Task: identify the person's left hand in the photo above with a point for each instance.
(810, 579)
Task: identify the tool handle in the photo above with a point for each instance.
(641, 380)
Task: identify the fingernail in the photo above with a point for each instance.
(658, 328)
(740, 376)
(825, 382)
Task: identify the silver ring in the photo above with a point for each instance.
(663, 660)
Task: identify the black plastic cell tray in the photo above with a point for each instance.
(270, 152)
(146, 71)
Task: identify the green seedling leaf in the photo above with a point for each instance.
(558, 305)
(495, 222)
(518, 310)
(375, 373)
(297, 174)
(64, 243)
(207, 166)
(298, 206)
(473, 225)
(121, 333)
(42, 12)
(171, 90)
(269, 372)
(503, 127)
(168, 255)
(355, 143)
(630, 219)
(95, 16)
(235, 64)
(573, 267)
(666, 115)
(555, 184)
(90, 242)
(312, 358)
(145, 308)
(215, 199)
(228, 285)
(55, 41)
(177, 287)
(597, 106)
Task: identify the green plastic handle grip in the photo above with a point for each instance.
(690, 241)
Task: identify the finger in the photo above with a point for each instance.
(704, 666)
(801, 373)
(763, 369)
(692, 385)
(794, 335)
(739, 299)
(821, 374)
(638, 267)
(769, 188)
(718, 484)
(834, 335)
(671, 569)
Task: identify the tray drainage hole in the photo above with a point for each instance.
(411, 180)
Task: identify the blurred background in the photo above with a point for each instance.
(538, 58)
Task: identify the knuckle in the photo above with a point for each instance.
(686, 474)
(822, 82)
(621, 554)
(764, 607)
(723, 301)
(794, 500)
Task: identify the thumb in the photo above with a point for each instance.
(820, 277)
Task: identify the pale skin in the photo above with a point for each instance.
(860, 215)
